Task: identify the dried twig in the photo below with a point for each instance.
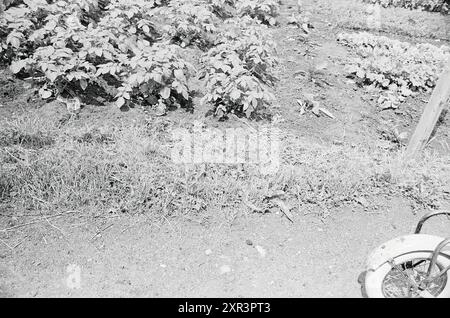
(36, 221)
(175, 230)
(254, 208)
(1, 241)
(284, 209)
(55, 227)
(18, 159)
(101, 231)
(39, 199)
(327, 112)
(14, 247)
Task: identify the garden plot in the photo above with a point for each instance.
(94, 89)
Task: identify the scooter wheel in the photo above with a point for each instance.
(401, 280)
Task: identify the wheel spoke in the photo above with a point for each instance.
(405, 279)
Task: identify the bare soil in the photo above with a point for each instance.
(132, 258)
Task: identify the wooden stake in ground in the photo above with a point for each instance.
(431, 113)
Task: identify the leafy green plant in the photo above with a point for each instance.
(427, 5)
(190, 22)
(155, 74)
(230, 86)
(28, 26)
(400, 67)
(254, 49)
(238, 72)
(265, 11)
(223, 8)
(114, 53)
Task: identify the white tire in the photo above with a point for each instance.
(374, 279)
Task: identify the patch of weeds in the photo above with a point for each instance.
(422, 196)
(94, 136)
(5, 186)
(134, 174)
(13, 137)
(331, 176)
(426, 5)
(425, 182)
(10, 89)
(354, 15)
(28, 131)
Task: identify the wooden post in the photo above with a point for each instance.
(431, 113)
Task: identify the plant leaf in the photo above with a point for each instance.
(120, 102)
(165, 92)
(83, 84)
(44, 93)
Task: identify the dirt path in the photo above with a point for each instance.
(307, 258)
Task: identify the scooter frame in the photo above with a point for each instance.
(437, 251)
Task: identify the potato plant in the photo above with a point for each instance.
(114, 51)
(223, 8)
(127, 52)
(265, 11)
(427, 5)
(189, 22)
(238, 72)
(401, 67)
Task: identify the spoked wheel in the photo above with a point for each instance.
(404, 278)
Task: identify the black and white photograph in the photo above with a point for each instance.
(235, 150)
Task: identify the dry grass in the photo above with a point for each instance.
(127, 169)
(342, 174)
(352, 14)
